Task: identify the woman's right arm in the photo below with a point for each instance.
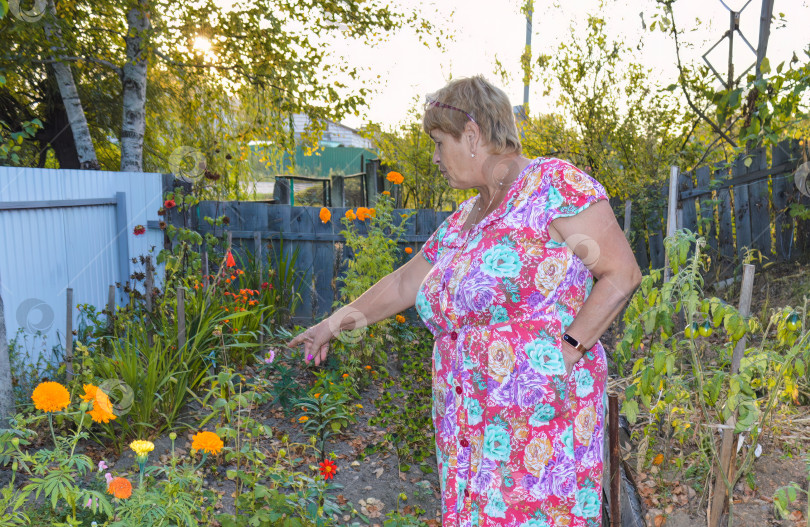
(394, 293)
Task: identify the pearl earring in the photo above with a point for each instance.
(473, 155)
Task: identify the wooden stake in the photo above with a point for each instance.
(628, 208)
(110, 307)
(672, 205)
(719, 493)
(150, 284)
(181, 318)
(69, 335)
(615, 461)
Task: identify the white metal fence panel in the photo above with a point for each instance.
(63, 229)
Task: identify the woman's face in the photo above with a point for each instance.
(453, 157)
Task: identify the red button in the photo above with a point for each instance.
(454, 335)
(466, 493)
(464, 443)
(458, 389)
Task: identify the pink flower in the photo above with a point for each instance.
(310, 357)
(102, 465)
(271, 356)
(108, 477)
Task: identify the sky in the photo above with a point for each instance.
(488, 30)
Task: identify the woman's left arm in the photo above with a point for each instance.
(595, 237)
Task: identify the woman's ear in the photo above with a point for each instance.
(473, 135)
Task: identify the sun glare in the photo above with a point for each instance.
(202, 45)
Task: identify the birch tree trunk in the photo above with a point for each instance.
(6, 390)
(134, 80)
(70, 98)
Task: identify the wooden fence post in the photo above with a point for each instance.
(371, 183)
(725, 465)
(282, 191)
(69, 335)
(338, 191)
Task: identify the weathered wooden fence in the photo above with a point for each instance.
(737, 209)
(322, 254)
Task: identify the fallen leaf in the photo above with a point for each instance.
(659, 520)
(379, 472)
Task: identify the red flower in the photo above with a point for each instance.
(229, 261)
(169, 204)
(328, 469)
(265, 285)
(139, 229)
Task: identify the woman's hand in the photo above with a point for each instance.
(570, 356)
(316, 342)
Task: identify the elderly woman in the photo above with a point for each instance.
(506, 286)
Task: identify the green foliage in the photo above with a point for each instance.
(404, 409)
(374, 254)
(409, 151)
(685, 383)
(325, 410)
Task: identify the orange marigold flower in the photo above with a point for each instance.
(408, 250)
(50, 397)
(317, 395)
(345, 375)
(395, 178)
(227, 280)
(351, 215)
(362, 213)
(400, 319)
(328, 469)
(368, 367)
(325, 215)
(229, 261)
(239, 271)
(303, 419)
(121, 488)
(90, 391)
(372, 213)
(208, 442)
(100, 415)
(102, 411)
(385, 193)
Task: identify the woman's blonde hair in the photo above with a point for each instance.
(476, 98)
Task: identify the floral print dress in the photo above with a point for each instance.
(518, 443)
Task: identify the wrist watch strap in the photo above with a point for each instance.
(575, 343)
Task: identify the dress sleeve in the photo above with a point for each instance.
(570, 191)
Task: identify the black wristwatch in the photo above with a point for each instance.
(575, 343)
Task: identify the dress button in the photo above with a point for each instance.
(466, 493)
(453, 335)
(464, 443)
(459, 390)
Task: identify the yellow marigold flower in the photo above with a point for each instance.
(50, 397)
(395, 178)
(351, 215)
(359, 406)
(325, 215)
(400, 319)
(121, 488)
(207, 442)
(142, 448)
(303, 419)
(317, 395)
(385, 193)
